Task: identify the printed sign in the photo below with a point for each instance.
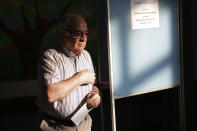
(144, 14)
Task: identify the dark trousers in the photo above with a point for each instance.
(45, 123)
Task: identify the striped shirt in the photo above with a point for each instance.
(57, 65)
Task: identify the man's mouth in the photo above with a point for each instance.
(81, 44)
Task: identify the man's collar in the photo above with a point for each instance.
(68, 52)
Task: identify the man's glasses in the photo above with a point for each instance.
(75, 33)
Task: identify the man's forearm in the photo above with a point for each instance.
(62, 89)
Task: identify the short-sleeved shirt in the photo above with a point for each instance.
(57, 65)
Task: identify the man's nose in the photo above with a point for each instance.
(82, 38)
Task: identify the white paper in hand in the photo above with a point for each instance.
(80, 114)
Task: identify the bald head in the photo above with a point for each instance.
(74, 32)
(73, 21)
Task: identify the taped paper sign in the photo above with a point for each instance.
(144, 14)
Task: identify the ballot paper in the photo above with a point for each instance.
(80, 114)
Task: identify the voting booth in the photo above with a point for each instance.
(143, 48)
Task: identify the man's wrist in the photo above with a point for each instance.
(95, 91)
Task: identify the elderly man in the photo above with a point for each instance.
(66, 79)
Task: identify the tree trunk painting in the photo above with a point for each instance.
(28, 40)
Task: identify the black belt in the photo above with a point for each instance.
(61, 121)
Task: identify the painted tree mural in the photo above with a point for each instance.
(27, 27)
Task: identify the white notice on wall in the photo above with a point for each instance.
(144, 14)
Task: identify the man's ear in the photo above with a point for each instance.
(61, 31)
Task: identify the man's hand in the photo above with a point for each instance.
(93, 100)
(87, 77)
